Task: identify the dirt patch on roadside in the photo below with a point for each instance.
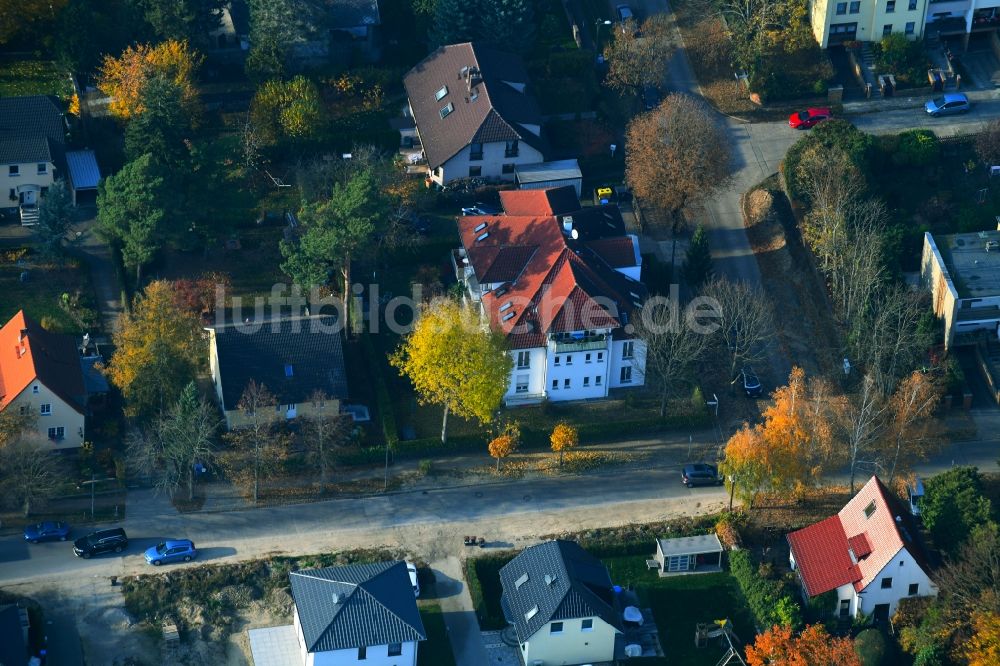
(807, 333)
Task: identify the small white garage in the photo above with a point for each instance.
(692, 554)
(549, 174)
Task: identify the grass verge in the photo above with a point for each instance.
(436, 650)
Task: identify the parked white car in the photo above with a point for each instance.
(412, 569)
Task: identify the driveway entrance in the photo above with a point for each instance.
(981, 63)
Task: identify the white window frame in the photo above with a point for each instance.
(523, 360)
(45, 409)
(441, 93)
(626, 374)
(556, 632)
(521, 383)
(628, 350)
(583, 624)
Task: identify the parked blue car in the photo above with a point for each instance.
(46, 531)
(179, 550)
(948, 104)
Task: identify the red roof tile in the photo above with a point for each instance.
(546, 201)
(38, 354)
(823, 551)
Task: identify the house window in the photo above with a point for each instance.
(555, 384)
(556, 628)
(587, 625)
(395, 649)
(446, 110)
(600, 356)
(362, 653)
(569, 359)
(890, 7)
(511, 149)
(521, 386)
(439, 95)
(43, 168)
(626, 376)
(913, 589)
(475, 151)
(887, 583)
(557, 360)
(627, 349)
(586, 381)
(46, 409)
(856, 7)
(507, 168)
(678, 563)
(870, 509)
(887, 30)
(57, 433)
(586, 359)
(597, 380)
(24, 410)
(438, 171)
(523, 360)
(13, 170)
(566, 383)
(475, 171)
(841, 8)
(910, 27)
(34, 389)
(912, 5)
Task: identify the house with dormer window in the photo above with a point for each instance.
(868, 553)
(474, 114)
(561, 282)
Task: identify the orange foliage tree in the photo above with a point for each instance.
(123, 78)
(813, 647)
(983, 648)
(505, 444)
(564, 437)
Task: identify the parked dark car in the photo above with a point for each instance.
(947, 104)
(171, 550)
(750, 383)
(700, 474)
(104, 541)
(46, 531)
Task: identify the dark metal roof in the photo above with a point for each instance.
(578, 586)
(499, 111)
(84, 173)
(292, 357)
(31, 130)
(357, 605)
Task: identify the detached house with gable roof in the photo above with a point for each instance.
(867, 553)
(562, 283)
(41, 374)
(561, 602)
(32, 150)
(474, 113)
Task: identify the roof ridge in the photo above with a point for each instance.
(379, 601)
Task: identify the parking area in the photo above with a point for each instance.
(981, 64)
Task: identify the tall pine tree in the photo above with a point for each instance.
(508, 24)
(457, 21)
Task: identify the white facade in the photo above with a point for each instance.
(57, 422)
(372, 655)
(837, 21)
(574, 641)
(494, 161)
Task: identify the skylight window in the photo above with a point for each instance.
(500, 292)
(289, 371)
(480, 227)
(508, 316)
(446, 111)
(506, 306)
(870, 509)
(530, 614)
(521, 581)
(483, 236)
(439, 95)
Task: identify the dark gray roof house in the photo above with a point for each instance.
(293, 357)
(355, 606)
(31, 130)
(487, 91)
(555, 580)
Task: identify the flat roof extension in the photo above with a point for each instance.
(973, 260)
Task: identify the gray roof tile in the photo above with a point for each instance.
(579, 587)
(356, 605)
(31, 130)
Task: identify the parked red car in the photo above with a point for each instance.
(808, 118)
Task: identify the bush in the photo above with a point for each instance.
(952, 505)
(768, 601)
(917, 147)
(483, 577)
(871, 648)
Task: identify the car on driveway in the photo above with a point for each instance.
(749, 381)
(411, 569)
(46, 531)
(948, 104)
(104, 541)
(170, 551)
(700, 474)
(808, 118)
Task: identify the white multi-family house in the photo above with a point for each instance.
(867, 553)
(561, 282)
(838, 21)
(474, 113)
(362, 614)
(561, 603)
(32, 150)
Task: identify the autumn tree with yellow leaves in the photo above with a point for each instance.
(157, 351)
(124, 77)
(564, 437)
(505, 444)
(455, 361)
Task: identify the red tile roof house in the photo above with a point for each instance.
(40, 373)
(867, 553)
(474, 113)
(562, 283)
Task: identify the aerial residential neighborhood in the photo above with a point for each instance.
(512, 332)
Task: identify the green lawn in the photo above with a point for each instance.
(436, 650)
(679, 603)
(33, 77)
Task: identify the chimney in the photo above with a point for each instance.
(335, 598)
(549, 579)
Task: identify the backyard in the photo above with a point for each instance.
(21, 77)
(58, 296)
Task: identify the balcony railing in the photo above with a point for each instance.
(580, 344)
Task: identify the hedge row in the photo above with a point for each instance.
(483, 577)
(768, 600)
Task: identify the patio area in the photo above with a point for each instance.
(275, 646)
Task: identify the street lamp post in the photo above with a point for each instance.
(597, 33)
(93, 482)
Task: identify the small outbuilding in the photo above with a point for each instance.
(684, 555)
(84, 176)
(542, 175)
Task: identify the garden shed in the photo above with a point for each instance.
(84, 175)
(684, 555)
(549, 174)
